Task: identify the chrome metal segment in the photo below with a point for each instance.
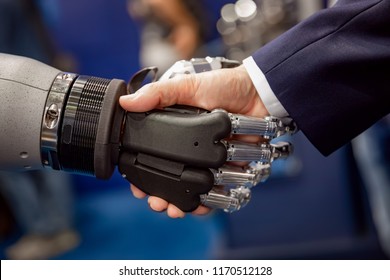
(228, 200)
(51, 117)
(268, 127)
(243, 178)
(248, 176)
(260, 156)
(264, 152)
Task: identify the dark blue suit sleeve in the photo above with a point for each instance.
(332, 71)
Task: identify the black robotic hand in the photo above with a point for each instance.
(182, 154)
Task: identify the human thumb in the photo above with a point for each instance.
(160, 94)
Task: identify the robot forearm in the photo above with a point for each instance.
(55, 119)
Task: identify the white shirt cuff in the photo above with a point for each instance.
(273, 105)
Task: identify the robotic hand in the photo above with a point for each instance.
(74, 123)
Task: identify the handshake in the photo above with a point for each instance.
(188, 156)
(185, 158)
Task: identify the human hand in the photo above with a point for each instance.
(230, 89)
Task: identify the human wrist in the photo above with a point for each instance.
(256, 106)
(263, 88)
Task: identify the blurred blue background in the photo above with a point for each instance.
(311, 208)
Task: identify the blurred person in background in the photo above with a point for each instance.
(40, 201)
(171, 30)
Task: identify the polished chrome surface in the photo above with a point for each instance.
(230, 201)
(268, 127)
(51, 117)
(248, 176)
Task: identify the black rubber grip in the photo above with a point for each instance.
(193, 139)
(172, 181)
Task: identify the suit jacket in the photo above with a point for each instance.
(331, 72)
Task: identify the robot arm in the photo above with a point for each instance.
(74, 123)
(60, 120)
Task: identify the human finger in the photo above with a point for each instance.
(201, 210)
(174, 212)
(157, 204)
(161, 94)
(137, 192)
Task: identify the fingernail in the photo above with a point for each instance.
(128, 97)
